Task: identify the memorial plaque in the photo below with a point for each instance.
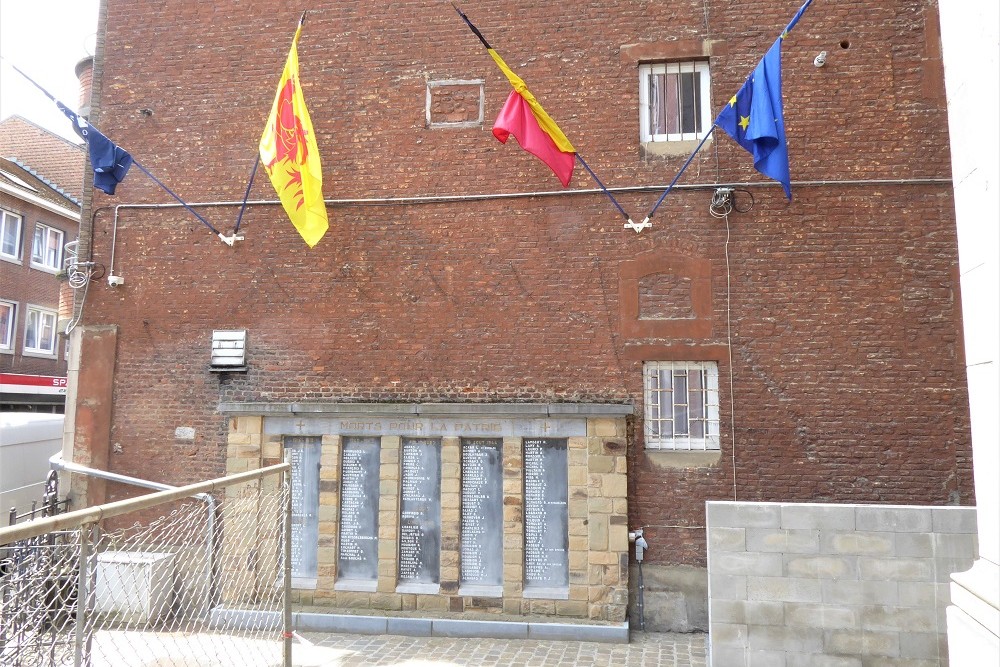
(359, 480)
(420, 512)
(546, 520)
(303, 453)
(482, 512)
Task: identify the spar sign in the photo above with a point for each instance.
(12, 383)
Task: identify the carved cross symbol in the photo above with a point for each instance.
(301, 424)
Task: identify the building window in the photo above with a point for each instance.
(40, 331)
(10, 235)
(8, 311)
(674, 102)
(682, 405)
(46, 249)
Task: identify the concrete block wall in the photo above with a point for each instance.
(806, 584)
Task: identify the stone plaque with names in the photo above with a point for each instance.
(357, 557)
(546, 520)
(482, 512)
(420, 512)
(303, 453)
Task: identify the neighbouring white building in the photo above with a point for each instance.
(27, 441)
(970, 35)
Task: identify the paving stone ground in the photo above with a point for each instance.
(652, 649)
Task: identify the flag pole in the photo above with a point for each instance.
(715, 124)
(246, 197)
(579, 157)
(134, 161)
(253, 173)
(638, 227)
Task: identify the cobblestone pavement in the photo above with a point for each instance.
(653, 649)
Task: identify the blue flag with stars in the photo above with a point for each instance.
(755, 118)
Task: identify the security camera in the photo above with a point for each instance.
(115, 281)
(820, 60)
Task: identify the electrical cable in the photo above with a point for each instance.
(729, 340)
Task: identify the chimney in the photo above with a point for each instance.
(85, 73)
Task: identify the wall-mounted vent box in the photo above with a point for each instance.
(229, 350)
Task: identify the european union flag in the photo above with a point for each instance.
(109, 161)
(755, 119)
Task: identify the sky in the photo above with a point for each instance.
(45, 39)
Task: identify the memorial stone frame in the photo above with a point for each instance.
(492, 511)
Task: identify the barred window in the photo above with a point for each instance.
(682, 405)
(674, 101)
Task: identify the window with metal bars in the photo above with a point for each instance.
(681, 405)
(674, 101)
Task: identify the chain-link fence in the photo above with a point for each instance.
(192, 576)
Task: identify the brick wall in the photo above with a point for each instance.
(847, 371)
(833, 584)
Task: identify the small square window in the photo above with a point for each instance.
(8, 311)
(682, 405)
(40, 331)
(47, 247)
(674, 101)
(10, 235)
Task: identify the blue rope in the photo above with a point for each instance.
(134, 161)
(677, 177)
(179, 200)
(610, 196)
(246, 195)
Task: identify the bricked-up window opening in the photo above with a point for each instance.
(10, 235)
(455, 103)
(546, 518)
(40, 331)
(7, 312)
(674, 101)
(682, 405)
(303, 453)
(46, 248)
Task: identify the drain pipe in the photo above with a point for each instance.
(56, 463)
(640, 546)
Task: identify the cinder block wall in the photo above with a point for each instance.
(842, 585)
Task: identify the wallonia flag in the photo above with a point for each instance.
(289, 154)
(523, 116)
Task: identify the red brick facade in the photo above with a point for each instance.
(839, 310)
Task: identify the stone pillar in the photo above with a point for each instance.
(451, 520)
(513, 526)
(608, 515)
(90, 388)
(388, 513)
(241, 513)
(329, 513)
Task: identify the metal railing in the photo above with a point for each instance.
(156, 576)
